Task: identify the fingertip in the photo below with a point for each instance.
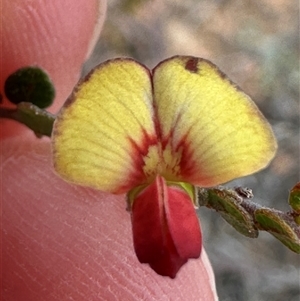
(101, 13)
(69, 237)
(54, 35)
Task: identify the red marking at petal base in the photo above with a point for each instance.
(166, 230)
(139, 150)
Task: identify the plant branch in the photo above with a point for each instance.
(38, 120)
(247, 217)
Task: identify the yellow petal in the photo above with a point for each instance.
(105, 126)
(213, 128)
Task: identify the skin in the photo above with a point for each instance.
(60, 241)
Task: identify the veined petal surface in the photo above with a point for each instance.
(216, 129)
(105, 127)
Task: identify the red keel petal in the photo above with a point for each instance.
(166, 230)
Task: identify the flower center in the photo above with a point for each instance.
(163, 161)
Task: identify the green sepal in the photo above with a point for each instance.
(228, 204)
(186, 187)
(30, 84)
(131, 195)
(280, 225)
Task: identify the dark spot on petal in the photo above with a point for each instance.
(192, 65)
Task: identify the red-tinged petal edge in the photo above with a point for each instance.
(166, 230)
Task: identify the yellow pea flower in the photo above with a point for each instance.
(155, 134)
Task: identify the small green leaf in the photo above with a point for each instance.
(30, 84)
(294, 198)
(281, 225)
(228, 204)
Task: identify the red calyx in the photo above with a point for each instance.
(166, 229)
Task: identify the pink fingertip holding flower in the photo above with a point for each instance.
(155, 135)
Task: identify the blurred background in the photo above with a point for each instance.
(256, 43)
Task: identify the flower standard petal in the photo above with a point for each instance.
(166, 230)
(105, 127)
(216, 129)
